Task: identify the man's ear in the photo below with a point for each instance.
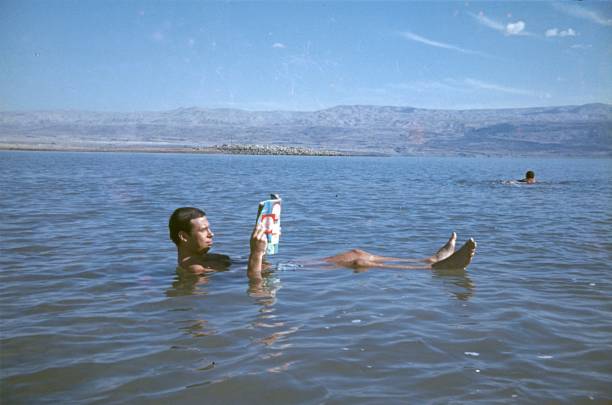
(183, 236)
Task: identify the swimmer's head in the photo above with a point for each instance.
(530, 177)
(180, 220)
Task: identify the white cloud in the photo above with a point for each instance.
(555, 32)
(461, 85)
(567, 33)
(421, 86)
(278, 45)
(515, 28)
(417, 38)
(478, 84)
(447, 92)
(487, 22)
(583, 12)
(512, 28)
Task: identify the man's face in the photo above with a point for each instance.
(200, 239)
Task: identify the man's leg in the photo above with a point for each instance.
(359, 259)
(458, 260)
(442, 253)
(355, 258)
(361, 256)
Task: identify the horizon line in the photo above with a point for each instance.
(299, 110)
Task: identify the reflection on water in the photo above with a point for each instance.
(199, 328)
(187, 283)
(457, 282)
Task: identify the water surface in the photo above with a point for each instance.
(93, 311)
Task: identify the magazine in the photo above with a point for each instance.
(270, 218)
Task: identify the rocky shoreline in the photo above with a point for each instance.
(248, 149)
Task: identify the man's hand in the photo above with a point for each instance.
(259, 241)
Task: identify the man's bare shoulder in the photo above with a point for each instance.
(195, 269)
(217, 258)
(205, 264)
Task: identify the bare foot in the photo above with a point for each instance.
(460, 259)
(445, 251)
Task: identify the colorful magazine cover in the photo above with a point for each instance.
(270, 219)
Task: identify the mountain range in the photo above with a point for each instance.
(584, 130)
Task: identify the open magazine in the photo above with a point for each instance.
(270, 218)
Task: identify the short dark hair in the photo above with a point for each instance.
(180, 220)
(530, 175)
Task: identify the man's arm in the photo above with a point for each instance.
(258, 243)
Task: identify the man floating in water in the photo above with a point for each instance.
(191, 233)
(529, 178)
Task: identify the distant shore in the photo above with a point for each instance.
(350, 130)
(232, 149)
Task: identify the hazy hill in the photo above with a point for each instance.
(568, 130)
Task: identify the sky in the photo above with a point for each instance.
(159, 55)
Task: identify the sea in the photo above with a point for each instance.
(93, 311)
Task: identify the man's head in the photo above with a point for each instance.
(530, 176)
(189, 229)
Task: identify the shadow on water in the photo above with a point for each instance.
(457, 280)
(267, 325)
(186, 283)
